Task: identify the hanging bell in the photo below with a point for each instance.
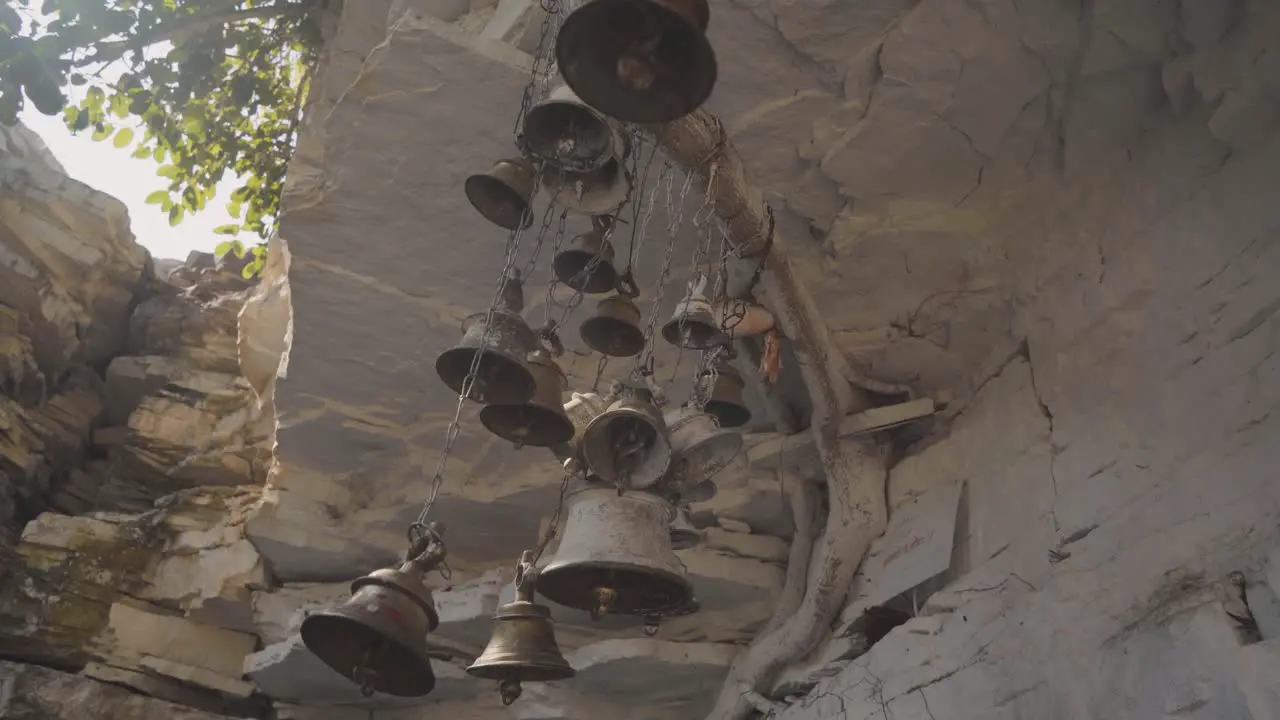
(595, 192)
(726, 402)
(698, 492)
(503, 195)
(378, 637)
(569, 134)
(695, 325)
(587, 264)
(582, 408)
(641, 61)
(683, 533)
(615, 328)
(701, 446)
(615, 555)
(496, 349)
(627, 444)
(523, 645)
(542, 421)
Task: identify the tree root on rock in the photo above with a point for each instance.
(856, 473)
(802, 495)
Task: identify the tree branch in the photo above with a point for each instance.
(195, 24)
(802, 494)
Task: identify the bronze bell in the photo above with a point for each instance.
(541, 422)
(641, 61)
(569, 134)
(523, 645)
(684, 534)
(615, 328)
(378, 637)
(615, 555)
(702, 446)
(503, 195)
(495, 350)
(726, 402)
(627, 444)
(695, 325)
(587, 264)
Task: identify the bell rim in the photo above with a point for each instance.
(446, 369)
(601, 280)
(715, 336)
(616, 192)
(475, 187)
(679, 584)
(557, 422)
(634, 335)
(573, 73)
(564, 104)
(309, 627)
(548, 672)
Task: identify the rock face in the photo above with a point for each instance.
(1059, 217)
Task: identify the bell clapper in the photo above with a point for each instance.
(510, 691)
(605, 598)
(651, 624)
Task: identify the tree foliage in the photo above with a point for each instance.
(214, 85)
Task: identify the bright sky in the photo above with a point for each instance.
(102, 166)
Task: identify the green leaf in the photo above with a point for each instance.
(226, 230)
(157, 197)
(169, 171)
(222, 248)
(124, 136)
(102, 132)
(175, 215)
(251, 269)
(141, 152)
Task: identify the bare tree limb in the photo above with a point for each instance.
(802, 493)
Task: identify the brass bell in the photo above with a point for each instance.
(542, 421)
(615, 328)
(594, 192)
(378, 637)
(615, 555)
(569, 134)
(494, 351)
(683, 533)
(726, 402)
(701, 446)
(641, 61)
(627, 444)
(503, 194)
(695, 325)
(523, 645)
(587, 264)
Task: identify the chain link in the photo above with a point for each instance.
(553, 526)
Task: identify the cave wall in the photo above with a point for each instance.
(1117, 454)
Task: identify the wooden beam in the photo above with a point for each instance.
(777, 451)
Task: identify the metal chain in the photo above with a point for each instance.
(646, 358)
(553, 526)
(540, 66)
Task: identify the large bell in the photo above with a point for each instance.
(615, 555)
(594, 192)
(701, 446)
(503, 194)
(627, 444)
(496, 350)
(523, 645)
(641, 61)
(695, 325)
(378, 637)
(726, 402)
(569, 134)
(587, 264)
(542, 421)
(615, 328)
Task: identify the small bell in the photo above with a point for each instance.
(587, 264)
(501, 344)
(683, 533)
(542, 421)
(594, 192)
(615, 555)
(702, 447)
(641, 61)
(699, 492)
(523, 645)
(627, 444)
(503, 194)
(726, 402)
(695, 325)
(378, 637)
(569, 134)
(615, 328)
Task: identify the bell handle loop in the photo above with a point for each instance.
(627, 285)
(549, 336)
(426, 548)
(526, 580)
